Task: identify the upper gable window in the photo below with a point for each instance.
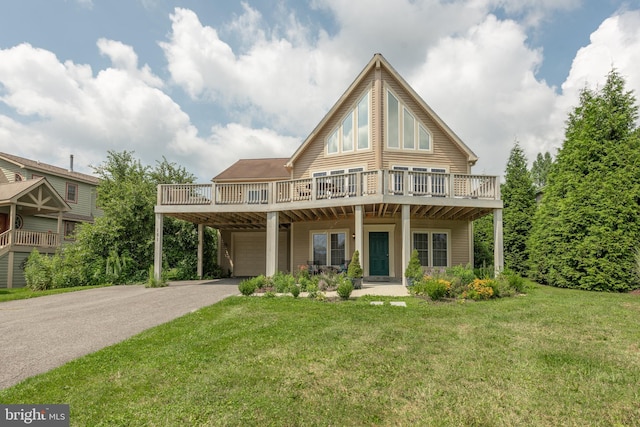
(71, 194)
(404, 131)
(354, 130)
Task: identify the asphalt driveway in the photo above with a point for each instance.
(42, 333)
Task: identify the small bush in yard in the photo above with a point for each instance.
(345, 287)
(312, 290)
(282, 282)
(248, 286)
(37, 271)
(433, 287)
(480, 289)
(295, 290)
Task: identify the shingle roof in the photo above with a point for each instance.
(259, 169)
(46, 168)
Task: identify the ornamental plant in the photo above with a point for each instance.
(479, 289)
(413, 272)
(354, 271)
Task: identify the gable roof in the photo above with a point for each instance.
(259, 169)
(14, 191)
(379, 61)
(50, 169)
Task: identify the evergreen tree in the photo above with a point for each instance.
(588, 223)
(519, 197)
(540, 169)
(483, 242)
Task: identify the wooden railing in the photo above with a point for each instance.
(356, 184)
(29, 238)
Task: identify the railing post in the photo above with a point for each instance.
(452, 185)
(382, 175)
(214, 193)
(314, 188)
(159, 195)
(497, 189)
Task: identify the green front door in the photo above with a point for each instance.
(378, 253)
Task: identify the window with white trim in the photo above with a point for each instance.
(432, 247)
(329, 247)
(404, 131)
(71, 193)
(354, 130)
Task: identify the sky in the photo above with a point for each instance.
(207, 82)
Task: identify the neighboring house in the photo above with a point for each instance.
(381, 174)
(40, 206)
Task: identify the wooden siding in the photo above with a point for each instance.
(445, 152)
(315, 158)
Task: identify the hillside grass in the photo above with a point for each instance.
(11, 294)
(552, 357)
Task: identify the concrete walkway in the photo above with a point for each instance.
(39, 334)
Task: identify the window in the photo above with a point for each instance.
(393, 119)
(353, 132)
(69, 230)
(329, 247)
(363, 123)
(432, 247)
(404, 131)
(71, 195)
(421, 244)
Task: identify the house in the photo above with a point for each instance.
(381, 174)
(40, 206)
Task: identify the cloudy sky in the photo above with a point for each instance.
(205, 82)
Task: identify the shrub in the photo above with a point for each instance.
(480, 289)
(37, 271)
(354, 271)
(413, 272)
(312, 290)
(514, 281)
(295, 290)
(269, 294)
(465, 274)
(282, 282)
(304, 283)
(433, 287)
(248, 286)
(344, 287)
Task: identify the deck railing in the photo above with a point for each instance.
(37, 239)
(355, 184)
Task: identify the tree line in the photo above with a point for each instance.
(574, 221)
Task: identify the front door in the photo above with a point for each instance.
(379, 253)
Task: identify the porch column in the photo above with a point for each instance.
(10, 256)
(200, 249)
(272, 243)
(60, 236)
(12, 224)
(157, 254)
(359, 233)
(498, 248)
(406, 240)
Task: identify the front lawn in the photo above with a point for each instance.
(24, 293)
(552, 357)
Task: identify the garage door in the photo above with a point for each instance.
(250, 253)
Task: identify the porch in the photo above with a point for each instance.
(361, 198)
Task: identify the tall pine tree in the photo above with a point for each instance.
(540, 169)
(519, 197)
(588, 223)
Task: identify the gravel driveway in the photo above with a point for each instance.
(42, 333)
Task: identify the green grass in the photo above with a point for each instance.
(553, 357)
(24, 293)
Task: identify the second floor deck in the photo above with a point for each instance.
(382, 191)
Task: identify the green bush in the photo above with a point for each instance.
(312, 290)
(304, 283)
(152, 282)
(434, 288)
(344, 287)
(414, 272)
(248, 286)
(37, 271)
(282, 282)
(295, 290)
(354, 271)
(465, 274)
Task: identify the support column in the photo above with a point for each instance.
(157, 254)
(60, 231)
(200, 249)
(406, 240)
(359, 219)
(12, 224)
(272, 243)
(10, 269)
(498, 248)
